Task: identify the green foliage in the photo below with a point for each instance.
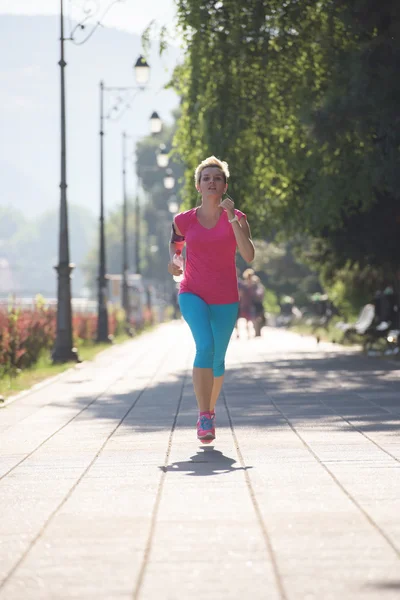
(301, 98)
(353, 286)
(271, 303)
(240, 87)
(283, 272)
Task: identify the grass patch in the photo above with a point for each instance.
(332, 334)
(329, 333)
(44, 368)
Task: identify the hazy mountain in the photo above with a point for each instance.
(30, 113)
(29, 250)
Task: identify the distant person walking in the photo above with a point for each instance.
(251, 303)
(208, 295)
(258, 293)
(246, 304)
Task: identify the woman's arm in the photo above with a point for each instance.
(245, 245)
(241, 229)
(177, 242)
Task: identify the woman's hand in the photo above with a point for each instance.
(229, 206)
(173, 269)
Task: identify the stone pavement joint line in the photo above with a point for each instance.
(361, 432)
(255, 505)
(147, 550)
(358, 429)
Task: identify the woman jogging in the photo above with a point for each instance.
(208, 295)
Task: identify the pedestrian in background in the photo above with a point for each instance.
(246, 304)
(208, 295)
(251, 304)
(258, 293)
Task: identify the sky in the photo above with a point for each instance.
(29, 94)
(128, 15)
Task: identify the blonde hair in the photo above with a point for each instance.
(211, 161)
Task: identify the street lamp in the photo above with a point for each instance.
(125, 262)
(162, 157)
(63, 349)
(142, 72)
(155, 123)
(137, 229)
(173, 205)
(125, 265)
(169, 179)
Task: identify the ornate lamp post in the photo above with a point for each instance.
(137, 230)
(156, 125)
(125, 265)
(63, 348)
(142, 73)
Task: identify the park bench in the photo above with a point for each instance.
(368, 325)
(364, 321)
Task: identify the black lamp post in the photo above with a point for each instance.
(102, 317)
(63, 349)
(137, 230)
(156, 125)
(155, 122)
(125, 264)
(142, 72)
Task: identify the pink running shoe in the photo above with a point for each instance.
(208, 441)
(205, 428)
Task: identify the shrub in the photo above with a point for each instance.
(26, 334)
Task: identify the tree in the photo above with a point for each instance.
(301, 98)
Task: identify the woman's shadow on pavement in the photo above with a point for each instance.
(207, 461)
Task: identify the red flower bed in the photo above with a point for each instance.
(25, 334)
(84, 326)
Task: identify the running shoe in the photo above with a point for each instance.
(205, 428)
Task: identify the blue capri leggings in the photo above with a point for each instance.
(211, 326)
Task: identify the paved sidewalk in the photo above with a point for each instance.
(105, 493)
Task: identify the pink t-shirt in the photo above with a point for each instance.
(210, 269)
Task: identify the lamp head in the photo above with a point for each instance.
(155, 123)
(142, 71)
